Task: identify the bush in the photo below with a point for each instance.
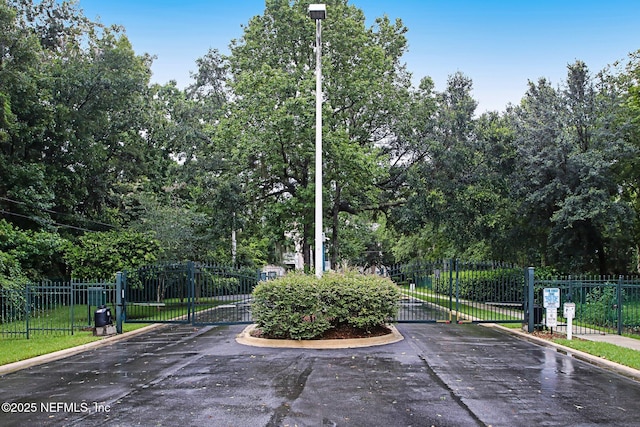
(359, 301)
(499, 285)
(599, 307)
(299, 306)
(290, 307)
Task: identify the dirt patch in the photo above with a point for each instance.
(547, 335)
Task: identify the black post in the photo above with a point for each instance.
(620, 300)
(530, 303)
(120, 282)
(191, 291)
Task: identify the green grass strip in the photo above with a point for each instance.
(17, 349)
(614, 353)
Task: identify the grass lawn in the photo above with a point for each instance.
(611, 352)
(16, 349)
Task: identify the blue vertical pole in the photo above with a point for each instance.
(619, 302)
(73, 296)
(457, 291)
(450, 287)
(530, 304)
(191, 291)
(26, 307)
(120, 280)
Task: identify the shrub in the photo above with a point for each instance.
(358, 300)
(290, 307)
(599, 307)
(299, 306)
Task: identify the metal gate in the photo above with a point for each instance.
(189, 293)
(453, 291)
(448, 291)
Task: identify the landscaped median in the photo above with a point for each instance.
(304, 307)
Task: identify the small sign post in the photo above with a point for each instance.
(569, 314)
(551, 302)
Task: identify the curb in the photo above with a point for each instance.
(626, 371)
(245, 338)
(61, 354)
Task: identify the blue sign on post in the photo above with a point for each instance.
(551, 298)
(551, 302)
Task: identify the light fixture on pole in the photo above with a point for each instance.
(318, 12)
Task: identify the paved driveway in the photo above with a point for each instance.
(440, 375)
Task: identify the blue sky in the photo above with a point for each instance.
(500, 45)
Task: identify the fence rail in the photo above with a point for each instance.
(189, 292)
(604, 304)
(52, 307)
(453, 290)
(432, 292)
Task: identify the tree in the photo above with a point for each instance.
(568, 150)
(624, 81)
(100, 255)
(23, 117)
(446, 195)
(270, 125)
(29, 255)
(78, 96)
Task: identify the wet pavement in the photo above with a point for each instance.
(439, 375)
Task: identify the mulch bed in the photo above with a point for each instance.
(547, 335)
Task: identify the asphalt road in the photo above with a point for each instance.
(439, 375)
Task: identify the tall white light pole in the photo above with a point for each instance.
(318, 12)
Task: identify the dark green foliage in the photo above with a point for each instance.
(88, 144)
(101, 255)
(29, 254)
(501, 285)
(290, 307)
(300, 306)
(599, 307)
(358, 300)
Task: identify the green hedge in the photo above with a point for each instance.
(299, 306)
(500, 285)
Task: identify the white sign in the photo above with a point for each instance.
(551, 298)
(569, 310)
(552, 318)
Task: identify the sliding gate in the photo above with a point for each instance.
(190, 293)
(453, 291)
(447, 291)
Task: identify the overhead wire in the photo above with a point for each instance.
(52, 222)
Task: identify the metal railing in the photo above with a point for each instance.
(189, 293)
(457, 291)
(52, 307)
(604, 304)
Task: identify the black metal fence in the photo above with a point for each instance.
(189, 292)
(457, 291)
(52, 307)
(437, 291)
(604, 304)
